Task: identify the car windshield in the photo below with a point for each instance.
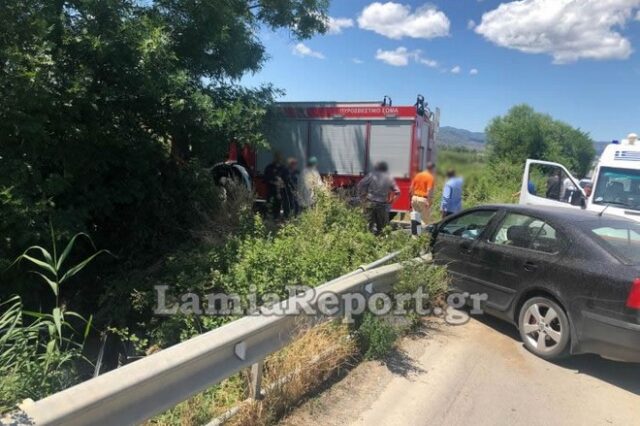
(622, 239)
(618, 187)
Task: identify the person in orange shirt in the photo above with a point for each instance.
(422, 192)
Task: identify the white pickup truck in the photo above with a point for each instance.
(614, 186)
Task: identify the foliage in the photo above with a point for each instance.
(415, 275)
(325, 242)
(112, 110)
(321, 244)
(34, 359)
(485, 181)
(376, 336)
(40, 356)
(524, 133)
(51, 265)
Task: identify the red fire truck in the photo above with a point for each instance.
(349, 138)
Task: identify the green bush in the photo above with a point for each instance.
(323, 243)
(113, 113)
(376, 336)
(432, 279)
(524, 133)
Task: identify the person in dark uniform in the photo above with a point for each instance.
(273, 176)
(380, 191)
(290, 204)
(554, 185)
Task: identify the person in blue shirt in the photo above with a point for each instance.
(451, 194)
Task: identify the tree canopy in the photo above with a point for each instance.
(110, 109)
(524, 133)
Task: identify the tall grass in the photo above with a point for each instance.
(40, 351)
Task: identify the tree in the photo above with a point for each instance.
(111, 109)
(524, 133)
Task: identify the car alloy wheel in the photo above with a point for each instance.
(544, 328)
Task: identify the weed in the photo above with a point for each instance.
(376, 336)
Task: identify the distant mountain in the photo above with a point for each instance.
(451, 136)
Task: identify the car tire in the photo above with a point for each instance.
(544, 328)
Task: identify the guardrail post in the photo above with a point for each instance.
(256, 381)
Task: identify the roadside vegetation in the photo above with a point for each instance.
(112, 114)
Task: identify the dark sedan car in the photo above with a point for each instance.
(569, 279)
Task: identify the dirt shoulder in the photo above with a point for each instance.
(478, 373)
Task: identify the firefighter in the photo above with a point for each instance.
(273, 176)
(310, 184)
(379, 190)
(422, 192)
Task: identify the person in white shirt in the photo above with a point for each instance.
(567, 190)
(310, 184)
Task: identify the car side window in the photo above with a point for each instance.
(518, 230)
(468, 226)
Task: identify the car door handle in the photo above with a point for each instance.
(530, 266)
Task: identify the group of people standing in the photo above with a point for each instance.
(289, 191)
(380, 191)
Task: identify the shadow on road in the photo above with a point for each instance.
(621, 374)
(400, 363)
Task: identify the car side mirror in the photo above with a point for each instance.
(431, 228)
(579, 200)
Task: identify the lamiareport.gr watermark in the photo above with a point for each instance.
(303, 300)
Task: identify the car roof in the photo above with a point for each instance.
(564, 215)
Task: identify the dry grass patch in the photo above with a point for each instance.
(289, 375)
(298, 369)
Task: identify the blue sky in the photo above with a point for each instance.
(573, 59)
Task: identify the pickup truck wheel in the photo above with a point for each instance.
(544, 328)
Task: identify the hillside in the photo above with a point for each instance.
(451, 136)
(454, 137)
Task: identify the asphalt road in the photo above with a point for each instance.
(477, 374)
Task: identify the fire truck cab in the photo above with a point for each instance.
(349, 138)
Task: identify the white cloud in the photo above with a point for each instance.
(638, 16)
(357, 61)
(568, 30)
(336, 25)
(428, 62)
(303, 50)
(398, 58)
(471, 24)
(456, 69)
(401, 57)
(473, 71)
(396, 21)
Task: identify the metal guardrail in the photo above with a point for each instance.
(138, 391)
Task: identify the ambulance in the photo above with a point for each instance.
(614, 186)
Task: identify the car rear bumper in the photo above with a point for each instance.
(610, 338)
